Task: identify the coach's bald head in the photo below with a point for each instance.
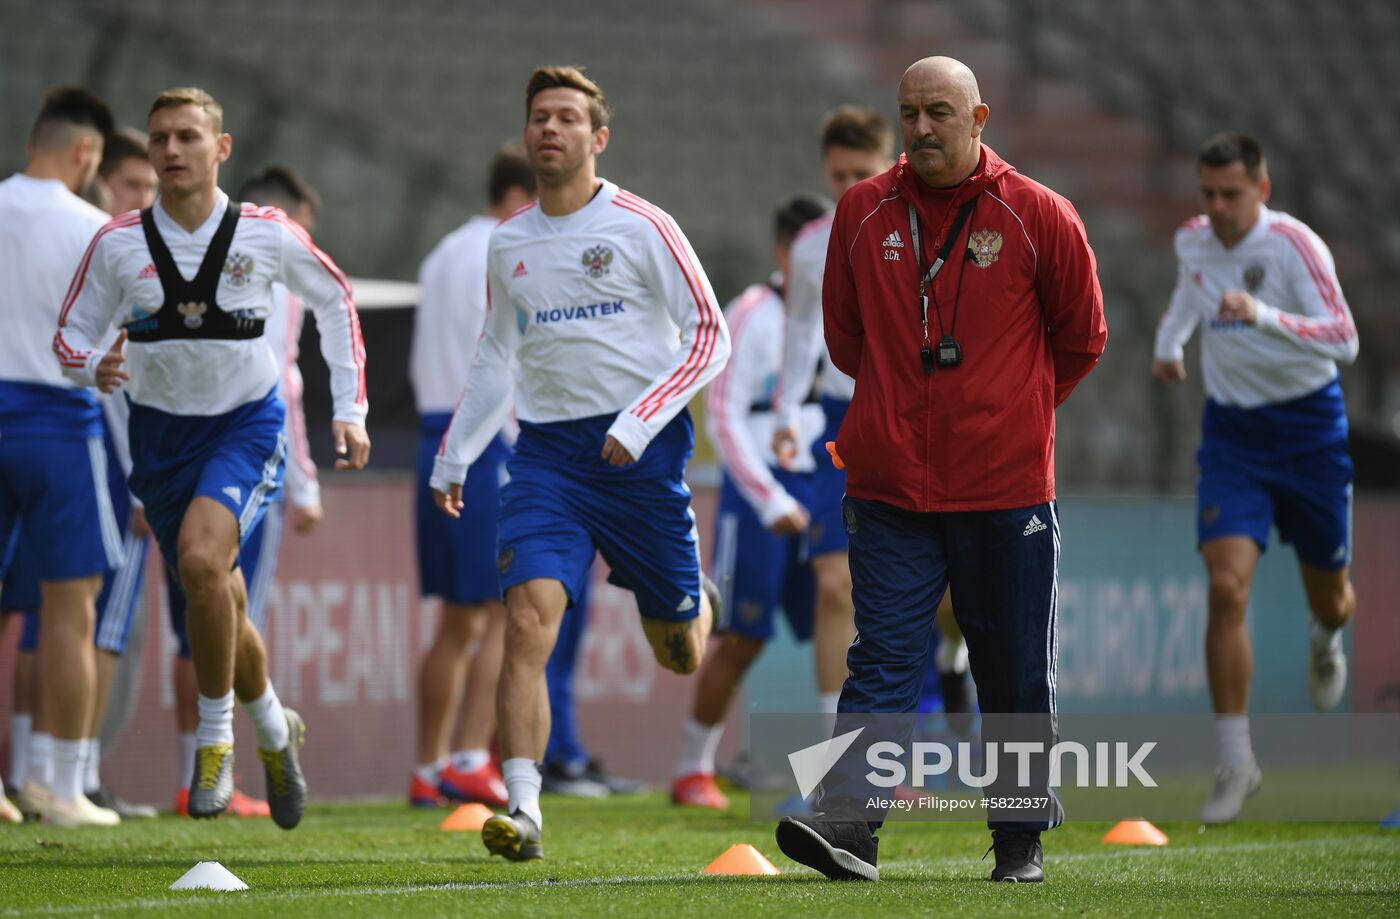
(941, 115)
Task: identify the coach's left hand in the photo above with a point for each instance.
(615, 453)
(351, 445)
(1239, 306)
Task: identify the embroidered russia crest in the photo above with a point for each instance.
(597, 261)
(238, 269)
(984, 246)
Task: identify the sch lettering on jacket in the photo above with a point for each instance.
(589, 311)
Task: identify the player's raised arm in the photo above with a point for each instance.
(674, 274)
(91, 305)
(1326, 329)
(311, 274)
(485, 403)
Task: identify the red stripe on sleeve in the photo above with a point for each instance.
(707, 333)
(75, 286)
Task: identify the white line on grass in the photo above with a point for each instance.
(324, 893)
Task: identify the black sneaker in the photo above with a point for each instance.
(1019, 857)
(515, 838)
(571, 780)
(843, 851)
(106, 797)
(615, 784)
(957, 700)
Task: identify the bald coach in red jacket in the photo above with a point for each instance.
(964, 300)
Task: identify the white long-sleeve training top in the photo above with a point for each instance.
(450, 320)
(116, 283)
(1304, 324)
(602, 311)
(738, 405)
(44, 229)
(804, 344)
(301, 485)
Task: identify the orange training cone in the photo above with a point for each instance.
(468, 817)
(741, 858)
(1135, 832)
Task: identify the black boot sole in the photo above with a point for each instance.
(805, 846)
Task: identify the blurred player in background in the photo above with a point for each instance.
(603, 326)
(53, 465)
(125, 181)
(280, 187)
(857, 143)
(190, 283)
(457, 557)
(1263, 289)
(760, 554)
(127, 172)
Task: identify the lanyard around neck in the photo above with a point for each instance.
(926, 276)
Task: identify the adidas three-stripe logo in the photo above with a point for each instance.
(1035, 526)
(893, 241)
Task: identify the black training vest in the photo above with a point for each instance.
(191, 308)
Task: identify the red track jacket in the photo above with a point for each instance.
(980, 436)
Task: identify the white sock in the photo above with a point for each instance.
(92, 763)
(1322, 639)
(951, 656)
(470, 760)
(186, 753)
(21, 729)
(215, 721)
(41, 759)
(68, 769)
(269, 720)
(698, 745)
(430, 772)
(1232, 731)
(826, 704)
(523, 782)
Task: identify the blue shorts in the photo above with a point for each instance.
(1253, 476)
(827, 533)
(457, 558)
(235, 459)
(564, 503)
(257, 559)
(56, 487)
(121, 588)
(759, 572)
(20, 592)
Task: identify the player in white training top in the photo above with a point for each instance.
(53, 465)
(603, 326)
(1263, 290)
(281, 187)
(189, 282)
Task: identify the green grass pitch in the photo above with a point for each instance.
(642, 858)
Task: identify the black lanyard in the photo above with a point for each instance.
(949, 351)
